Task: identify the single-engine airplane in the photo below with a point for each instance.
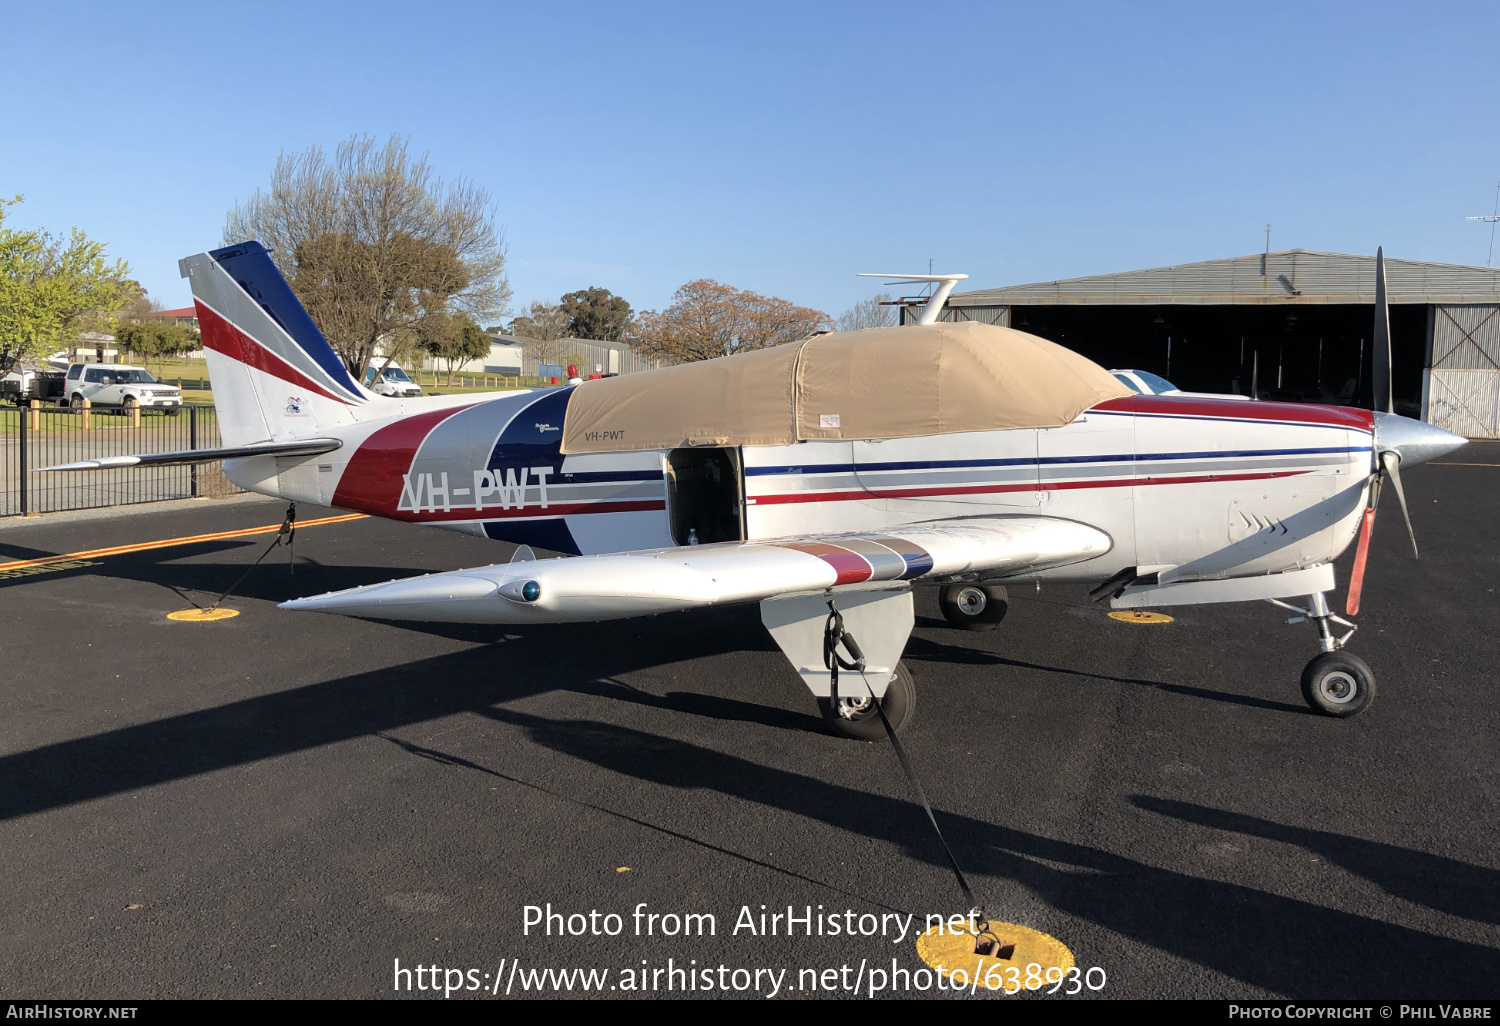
(835, 472)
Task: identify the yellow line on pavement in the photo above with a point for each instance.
(120, 550)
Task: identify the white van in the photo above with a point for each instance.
(392, 381)
(119, 386)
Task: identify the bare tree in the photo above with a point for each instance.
(546, 327)
(373, 243)
(875, 312)
(709, 319)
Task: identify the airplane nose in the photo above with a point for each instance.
(1414, 440)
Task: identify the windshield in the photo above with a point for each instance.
(1127, 381)
(1156, 382)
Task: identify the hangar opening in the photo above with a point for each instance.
(1294, 326)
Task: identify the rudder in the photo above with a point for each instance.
(274, 375)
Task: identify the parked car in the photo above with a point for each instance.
(1145, 383)
(121, 387)
(391, 381)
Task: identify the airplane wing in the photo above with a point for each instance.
(649, 581)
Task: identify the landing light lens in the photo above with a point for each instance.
(531, 591)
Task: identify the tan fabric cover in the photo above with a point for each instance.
(879, 383)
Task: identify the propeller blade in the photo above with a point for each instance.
(1390, 463)
(1380, 354)
(1357, 575)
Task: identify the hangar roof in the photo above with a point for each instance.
(1294, 276)
(922, 379)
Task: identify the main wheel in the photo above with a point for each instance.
(856, 717)
(973, 607)
(75, 403)
(1338, 684)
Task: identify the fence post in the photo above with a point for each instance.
(87, 405)
(135, 415)
(193, 444)
(25, 491)
(36, 414)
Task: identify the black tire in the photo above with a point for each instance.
(862, 723)
(973, 607)
(1338, 684)
(173, 411)
(75, 403)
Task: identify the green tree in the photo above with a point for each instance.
(155, 339)
(455, 340)
(50, 289)
(596, 313)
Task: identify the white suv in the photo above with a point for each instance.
(116, 385)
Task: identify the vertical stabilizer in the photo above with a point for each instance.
(275, 377)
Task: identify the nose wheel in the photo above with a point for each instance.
(1334, 683)
(1338, 684)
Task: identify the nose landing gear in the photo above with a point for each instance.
(1334, 683)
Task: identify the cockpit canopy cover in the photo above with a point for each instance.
(929, 379)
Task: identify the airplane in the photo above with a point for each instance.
(822, 479)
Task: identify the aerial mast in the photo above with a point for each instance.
(1492, 219)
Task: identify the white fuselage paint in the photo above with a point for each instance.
(1211, 489)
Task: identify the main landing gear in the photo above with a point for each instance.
(854, 716)
(1334, 683)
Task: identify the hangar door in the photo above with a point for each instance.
(1463, 385)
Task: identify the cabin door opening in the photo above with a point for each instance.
(705, 495)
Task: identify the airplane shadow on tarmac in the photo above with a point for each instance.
(936, 651)
(1284, 945)
(1447, 885)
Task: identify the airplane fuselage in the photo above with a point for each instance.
(1207, 486)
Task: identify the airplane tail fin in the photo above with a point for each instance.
(275, 377)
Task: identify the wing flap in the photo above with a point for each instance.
(626, 584)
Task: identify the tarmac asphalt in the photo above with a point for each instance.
(283, 804)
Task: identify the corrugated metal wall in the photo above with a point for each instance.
(589, 355)
(984, 314)
(1463, 386)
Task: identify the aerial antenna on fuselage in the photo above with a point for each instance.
(934, 304)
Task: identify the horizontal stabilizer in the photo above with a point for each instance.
(304, 447)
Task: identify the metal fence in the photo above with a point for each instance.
(33, 439)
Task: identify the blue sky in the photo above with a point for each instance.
(782, 147)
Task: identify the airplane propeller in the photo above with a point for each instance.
(1388, 459)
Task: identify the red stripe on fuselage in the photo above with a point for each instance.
(223, 337)
(851, 567)
(377, 469)
(924, 493)
(531, 511)
(1238, 409)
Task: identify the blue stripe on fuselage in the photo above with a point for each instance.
(850, 468)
